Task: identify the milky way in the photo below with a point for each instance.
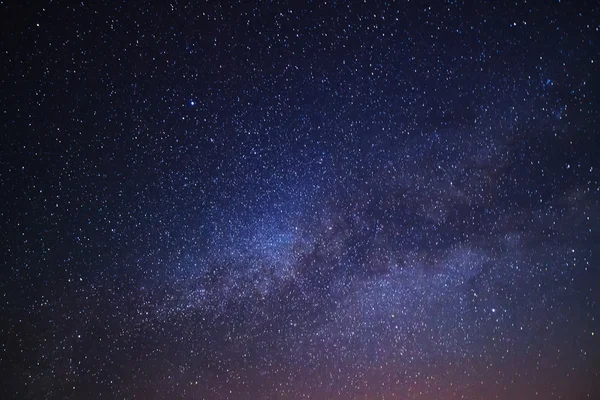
(300, 200)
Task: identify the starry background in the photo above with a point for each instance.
(300, 200)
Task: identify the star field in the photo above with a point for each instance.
(300, 200)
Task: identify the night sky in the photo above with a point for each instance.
(300, 200)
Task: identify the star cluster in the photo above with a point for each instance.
(300, 200)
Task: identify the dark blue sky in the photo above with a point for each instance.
(293, 200)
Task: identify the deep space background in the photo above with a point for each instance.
(299, 200)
